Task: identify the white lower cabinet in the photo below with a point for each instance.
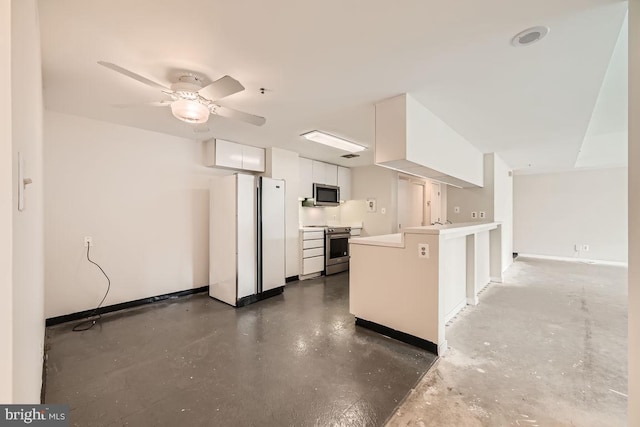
(311, 253)
(313, 265)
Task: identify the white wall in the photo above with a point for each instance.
(381, 184)
(553, 212)
(495, 199)
(634, 213)
(6, 208)
(283, 164)
(142, 196)
(473, 199)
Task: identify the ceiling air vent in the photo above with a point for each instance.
(350, 156)
(529, 36)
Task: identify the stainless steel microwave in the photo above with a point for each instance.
(324, 195)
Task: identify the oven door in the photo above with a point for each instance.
(337, 250)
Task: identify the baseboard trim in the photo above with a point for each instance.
(259, 297)
(571, 259)
(399, 335)
(52, 321)
(453, 313)
(44, 374)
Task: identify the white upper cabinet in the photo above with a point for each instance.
(324, 173)
(227, 154)
(344, 182)
(330, 174)
(252, 158)
(314, 171)
(305, 173)
(319, 172)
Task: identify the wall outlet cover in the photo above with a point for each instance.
(482, 214)
(383, 211)
(423, 250)
(88, 240)
(456, 209)
(474, 214)
(585, 248)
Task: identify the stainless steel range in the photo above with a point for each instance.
(336, 249)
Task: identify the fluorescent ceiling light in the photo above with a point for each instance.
(333, 141)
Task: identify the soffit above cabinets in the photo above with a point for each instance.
(411, 139)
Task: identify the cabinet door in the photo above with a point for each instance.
(312, 265)
(319, 172)
(228, 154)
(252, 158)
(305, 174)
(344, 182)
(331, 174)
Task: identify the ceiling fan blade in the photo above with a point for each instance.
(133, 75)
(222, 87)
(147, 104)
(230, 113)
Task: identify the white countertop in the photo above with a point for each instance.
(449, 230)
(316, 228)
(320, 227)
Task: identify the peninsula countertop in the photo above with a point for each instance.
(449, 230)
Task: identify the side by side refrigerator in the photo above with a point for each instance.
(246, 238)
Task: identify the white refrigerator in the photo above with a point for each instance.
(246, 238)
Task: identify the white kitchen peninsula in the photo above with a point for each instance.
(408, 285)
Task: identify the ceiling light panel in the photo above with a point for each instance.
(333, 141)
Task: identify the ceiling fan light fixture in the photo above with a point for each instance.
(190, 111)
(333, 141)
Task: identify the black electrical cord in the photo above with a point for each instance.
(85, 325)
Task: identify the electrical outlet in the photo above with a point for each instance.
(88, 240)
(456, 209)
(423, 250)
(383, 211)
(482, 214)
(577, 247)
(474, 214)
(585, 248)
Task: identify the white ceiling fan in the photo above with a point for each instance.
(192, 102)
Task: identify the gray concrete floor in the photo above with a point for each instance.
(548, 347)
(293, 360)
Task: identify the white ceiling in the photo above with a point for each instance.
(326, 63)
